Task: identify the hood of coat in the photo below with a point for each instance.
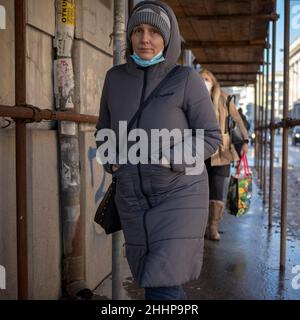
(171, 52)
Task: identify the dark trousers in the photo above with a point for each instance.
(165, 293)
(217, 176)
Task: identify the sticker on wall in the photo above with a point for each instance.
(64, 83)
(68, 128)
(68, 12)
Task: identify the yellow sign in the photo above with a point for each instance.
(68, 12)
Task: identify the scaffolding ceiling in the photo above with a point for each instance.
(227, 37)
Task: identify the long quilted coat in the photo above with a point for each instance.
(163, 211)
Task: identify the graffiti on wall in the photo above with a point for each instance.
(100, 191)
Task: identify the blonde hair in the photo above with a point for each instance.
(216, 92)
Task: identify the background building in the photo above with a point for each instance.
(294, 101)
(278, 103)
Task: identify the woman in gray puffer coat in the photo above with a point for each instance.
(163, 210)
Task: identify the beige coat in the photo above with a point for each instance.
(226, 152)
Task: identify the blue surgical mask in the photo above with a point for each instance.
(146, 63)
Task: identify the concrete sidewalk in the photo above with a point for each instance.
(243, 265)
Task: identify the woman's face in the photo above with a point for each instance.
(146, 41)
(208, 81)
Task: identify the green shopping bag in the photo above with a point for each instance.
(240, 189)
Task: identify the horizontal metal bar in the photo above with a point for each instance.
(288, 123)
(242, 84)
(236, 81)
(229, 62)
(237, 73)
(35, 114)
(237, 84)
(267, 17)
(231, 44)
(234, 84)
(242, 78)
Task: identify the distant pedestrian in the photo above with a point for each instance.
(244, 118)
(218, 166)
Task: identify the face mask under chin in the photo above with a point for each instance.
(208, 85)
(145, 63)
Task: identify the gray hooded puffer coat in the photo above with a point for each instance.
(163, 211)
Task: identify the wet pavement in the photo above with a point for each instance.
(293, 193)
(243, 265)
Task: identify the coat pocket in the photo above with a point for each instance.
(126, 198)
(165, 94)
(163, 180)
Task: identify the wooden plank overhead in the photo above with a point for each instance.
(227, 37)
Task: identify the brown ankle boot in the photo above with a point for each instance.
(216, 210)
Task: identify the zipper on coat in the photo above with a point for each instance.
(139, 165)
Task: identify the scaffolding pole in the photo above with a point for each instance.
(262, 131)
(265, 175)
(257, 138)
(74, 282)
(117, 237)
(284, 179)
(21, 156)
(272, 129)
(255, 122)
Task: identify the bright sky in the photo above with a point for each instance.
(294, 29)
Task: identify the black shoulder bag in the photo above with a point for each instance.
(235, 133)
(107, 215)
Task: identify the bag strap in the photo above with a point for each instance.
(153, 94)
(229, 98)
(229, 117)
(245, 165)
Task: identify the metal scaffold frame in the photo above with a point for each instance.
(261, 132)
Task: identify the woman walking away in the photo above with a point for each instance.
(163, 210)
(218, 166)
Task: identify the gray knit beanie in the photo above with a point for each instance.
(153, 15)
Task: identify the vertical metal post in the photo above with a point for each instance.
(71, 215)
(261, 130)
(258, 125)
(272, 122)
(266, 124)
(255, 122)
(130, 6)
(21, 156)
(21, 192)
(284, 179)
(261, 143)
(117, 237)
